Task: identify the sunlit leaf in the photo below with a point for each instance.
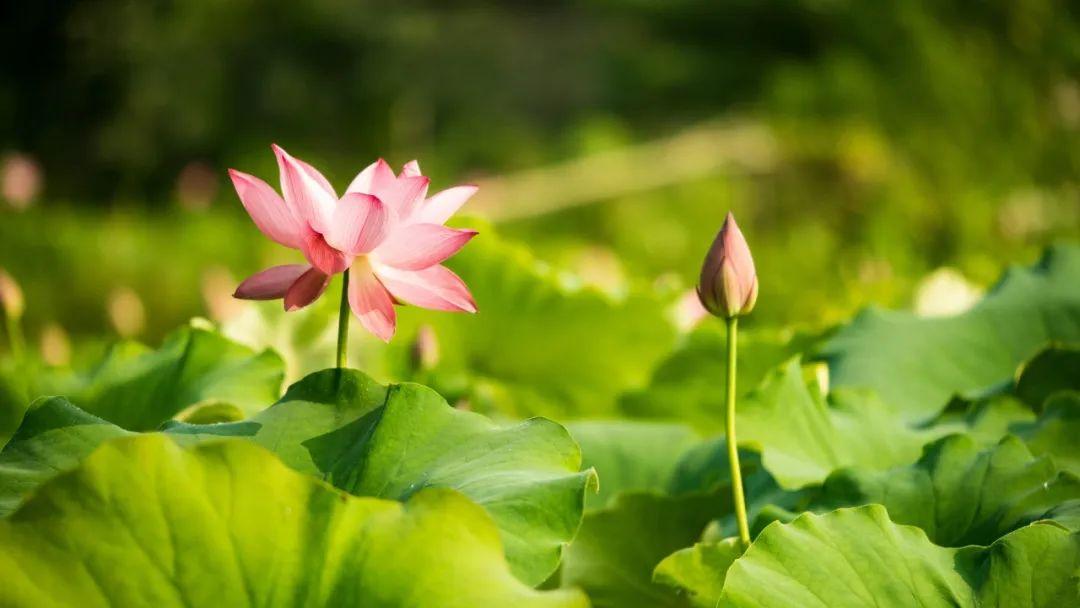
(143, 522)
(371, 440)
(859, 557)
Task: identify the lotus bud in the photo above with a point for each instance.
(728, 286)
(11, 296)
(425, 349)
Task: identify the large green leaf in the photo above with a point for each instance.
(958, 493)
(143, 522)
(370, 440)
(858, 557)
(916, 364)
(540, 343)
(53, 437)
(803, 436)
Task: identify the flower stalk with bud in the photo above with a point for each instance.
(728, 289)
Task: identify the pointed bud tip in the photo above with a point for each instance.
(728, 282)
(425, 349)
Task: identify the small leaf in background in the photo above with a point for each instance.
(689, 384)
(138, 388)
(631, 456)
(538, 346)
(700, 570)
(143, 522)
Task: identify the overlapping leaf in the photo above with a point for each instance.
(859, 557)
(138, 388)
(916, 364)
(803, 436)
(1056, 431)
(143, 522)
(958, 493)
(668, 488)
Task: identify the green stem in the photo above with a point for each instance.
(732, 443)
(15, 337)
(343, 322)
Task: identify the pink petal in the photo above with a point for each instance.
(418, 246)
(436, 287)
(267, 210)
(375, 178)
(443, 205)
(271, 283)
(322, 255)
(306, 289)
(736, 250)
(411, 169)
(406, 195)
(306, 190)
(360, 223)
(371, 303)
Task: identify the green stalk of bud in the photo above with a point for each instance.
(728, 289)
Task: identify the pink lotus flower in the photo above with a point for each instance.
(728, 286)
(384, 228)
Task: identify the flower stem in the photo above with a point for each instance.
(732, 444)
(343, 322)
(15, 337)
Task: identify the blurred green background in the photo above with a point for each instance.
(862, 145)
